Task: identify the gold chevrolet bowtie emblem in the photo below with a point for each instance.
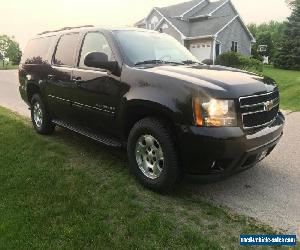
(269, 105)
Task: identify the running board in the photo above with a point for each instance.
(107, 140)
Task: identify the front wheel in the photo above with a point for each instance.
(40, 117)
(153, 156)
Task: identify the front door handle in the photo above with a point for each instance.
(77, 80)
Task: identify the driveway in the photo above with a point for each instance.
(9, 92)
(270, 192)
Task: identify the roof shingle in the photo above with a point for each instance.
(179, 9)
(209, 8)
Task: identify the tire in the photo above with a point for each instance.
(166, 173)
(40, 116)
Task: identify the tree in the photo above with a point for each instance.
(14, 53)
(266, 34)
(288, 55)
(265, 38)
(9, 48)
(4, 45)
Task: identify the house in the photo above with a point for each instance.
(207, 28)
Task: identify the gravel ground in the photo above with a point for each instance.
(270, 192)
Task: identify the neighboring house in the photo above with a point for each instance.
(205, 27)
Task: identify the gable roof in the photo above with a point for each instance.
(201, 22)
(178, 9)
(141, 22)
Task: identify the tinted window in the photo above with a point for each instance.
(37, 50)
(140, 46)
(95, 42)
(66, 50)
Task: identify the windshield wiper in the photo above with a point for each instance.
(149, 62)
(157, 62)
(190, 62)
(177, 63)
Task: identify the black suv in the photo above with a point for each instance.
(144, 90)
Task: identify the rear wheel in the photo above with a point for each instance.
(152, 155)
(40, 117)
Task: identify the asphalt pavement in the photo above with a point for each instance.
(270, 192)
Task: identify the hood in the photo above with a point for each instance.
(217, 81)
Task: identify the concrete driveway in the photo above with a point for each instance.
(269, 192)
(9, 92)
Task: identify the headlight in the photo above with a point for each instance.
(215, 113)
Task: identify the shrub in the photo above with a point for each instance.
(229, 59)
(208, 62)
(236, 60)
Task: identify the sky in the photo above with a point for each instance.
(25, 18)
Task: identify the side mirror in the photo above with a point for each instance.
(100, 60)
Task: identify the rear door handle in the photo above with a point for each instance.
(77, 80)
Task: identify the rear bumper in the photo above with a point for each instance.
(224, 151)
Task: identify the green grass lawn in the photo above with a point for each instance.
(289, 85)
(8, 67)
(66, 192)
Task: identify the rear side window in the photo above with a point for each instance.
(66, 50)
(37, 50)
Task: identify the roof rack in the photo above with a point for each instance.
(66, 28)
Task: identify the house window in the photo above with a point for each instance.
(234, 46)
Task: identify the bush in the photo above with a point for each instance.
(229, 59)
(236, 60)
(208, 61)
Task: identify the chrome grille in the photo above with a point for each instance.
(259, 110)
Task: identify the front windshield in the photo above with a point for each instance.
(145, 46)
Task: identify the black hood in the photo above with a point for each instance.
(217, 81)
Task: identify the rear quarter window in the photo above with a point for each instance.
(65, 54)
(37, 50)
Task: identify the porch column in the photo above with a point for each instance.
(214, 50)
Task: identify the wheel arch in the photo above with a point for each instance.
(136, 110)
(32, 89)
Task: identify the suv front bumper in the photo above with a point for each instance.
(221, 152)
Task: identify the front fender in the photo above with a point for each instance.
(172, 98)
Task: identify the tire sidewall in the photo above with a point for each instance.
(43, 129)
(170, 170)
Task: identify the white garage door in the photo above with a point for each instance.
(201, 50)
